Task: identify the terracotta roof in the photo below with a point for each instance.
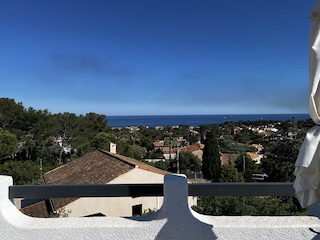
(96, 167)
(192, 148)
(137, 163)
(38, 209)
(158, 144)
(253, 155)
(228, 158)
(88, 168)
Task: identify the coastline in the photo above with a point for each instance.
(197, 120)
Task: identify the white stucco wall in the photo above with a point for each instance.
(174, 220)
(119, 206)
(198, 153)
(138, 175)
(122, 206)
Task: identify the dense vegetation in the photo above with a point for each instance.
(35, 141)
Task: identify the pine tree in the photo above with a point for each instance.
(211, 162)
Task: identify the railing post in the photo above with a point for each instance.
(314, 210)
(175, 192)
(176, 210)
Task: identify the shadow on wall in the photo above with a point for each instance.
(180, 230)
(317, 237)
(181, 223)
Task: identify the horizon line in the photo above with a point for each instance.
(226, 114)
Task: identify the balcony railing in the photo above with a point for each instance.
(138, 190)
(175, 220)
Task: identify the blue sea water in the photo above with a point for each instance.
(195, 120)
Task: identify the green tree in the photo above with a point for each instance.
(211, 163)
(164, 165)
(188, 162)
(279, 163)
(155, 154)
(134, 151)
(246, 166)
(146, 141)
(8, 144)
(228, 145)
(83, 148)
(203, 129)
(102, 140)
(91, 124)
(229, 173)
(244, 136)
(22, 172)
(11, 115)
(251, 205)
(27, 148)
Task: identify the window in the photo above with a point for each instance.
(137, 210)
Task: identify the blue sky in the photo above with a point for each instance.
(148, 57)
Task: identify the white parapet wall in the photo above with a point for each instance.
(175, 220)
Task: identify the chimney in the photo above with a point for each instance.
(113, 147)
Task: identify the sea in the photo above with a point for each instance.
(195, 120)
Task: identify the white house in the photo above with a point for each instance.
(102, 167)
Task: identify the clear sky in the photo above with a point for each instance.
(148, 57)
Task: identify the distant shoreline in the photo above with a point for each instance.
(196, 120)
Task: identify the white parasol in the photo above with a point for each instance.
(307, 167)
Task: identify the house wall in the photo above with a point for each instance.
(198, 153)
(121, 206)
(171, 156)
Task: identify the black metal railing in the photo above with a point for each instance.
(136, 190)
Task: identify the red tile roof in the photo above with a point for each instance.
(192, 148)
(96, 167)
(228, 158)
(137, 163)
(38, 209)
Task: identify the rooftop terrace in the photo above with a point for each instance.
(175, 219)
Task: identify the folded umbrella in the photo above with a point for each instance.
(307, 166)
